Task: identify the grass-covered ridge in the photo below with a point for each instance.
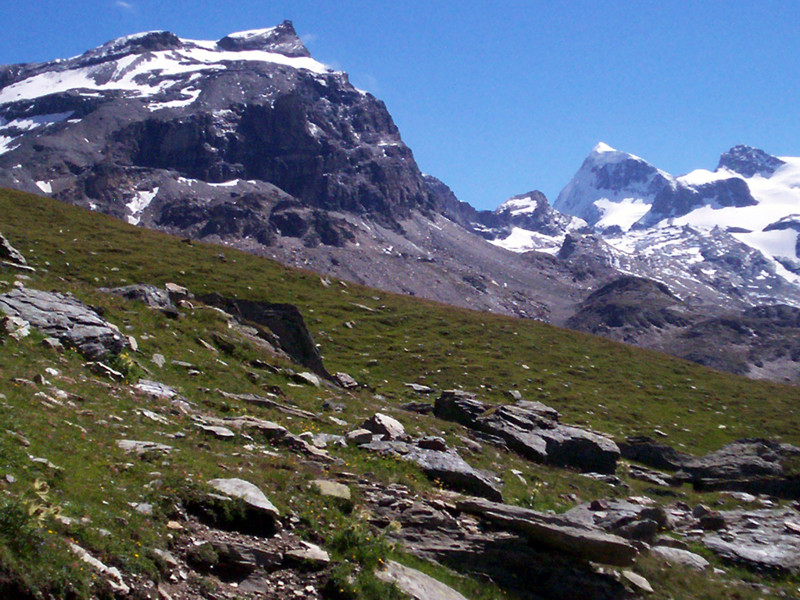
(618, 389)
(381, 339)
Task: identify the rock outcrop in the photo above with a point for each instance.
(533, 430)
(285, 324)
(750, 465)
(66, 319)
(560, 533)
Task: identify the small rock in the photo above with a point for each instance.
(680, 557)
(308, 378)
(16, 327)
(712, 522)
(103, 370)
(114, 577)
(177, 292)
(144, 508)
(222, 433)
(637, 582)
(359, 436)
(141, 447)
(53, 344)
(332, 489)
(246, 491)
(418, 388)
(792, 527)
(384, 425)
(159, 360)
(432, 443)
(309, 556)
(155, 389)
(346, 381)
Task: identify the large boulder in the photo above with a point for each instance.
(63, 317)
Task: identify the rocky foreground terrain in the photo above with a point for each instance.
(212, 425)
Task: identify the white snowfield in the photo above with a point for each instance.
(136, 73)
(758, 226)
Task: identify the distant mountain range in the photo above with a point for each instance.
(248, 141)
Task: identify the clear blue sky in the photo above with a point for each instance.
(498, 98)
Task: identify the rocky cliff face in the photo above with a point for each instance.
(129, 127)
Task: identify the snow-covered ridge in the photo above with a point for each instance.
(143, 72)
(519, 205)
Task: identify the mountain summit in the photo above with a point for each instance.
(139, 124)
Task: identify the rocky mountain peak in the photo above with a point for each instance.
(609, 174)
(524, 203)
(282, 39)
(749, 161)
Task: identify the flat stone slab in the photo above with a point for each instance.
(332, 489)
(758, 539)
(247, 492)
(678, 556)
(141, 447)
(416, 584)
(555, 531)
(448, 467)
(65, 318)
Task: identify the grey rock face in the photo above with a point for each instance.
(749, 161)
(751, 465)
(681, 199)
(65, 318)
(281, 39)
(758, 539)
(305, 132)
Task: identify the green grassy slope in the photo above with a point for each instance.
(618, 389)
(388, 340)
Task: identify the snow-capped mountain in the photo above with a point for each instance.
(726, 236)
(248, 141)
(136, 125)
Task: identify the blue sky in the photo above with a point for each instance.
(498, 98)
